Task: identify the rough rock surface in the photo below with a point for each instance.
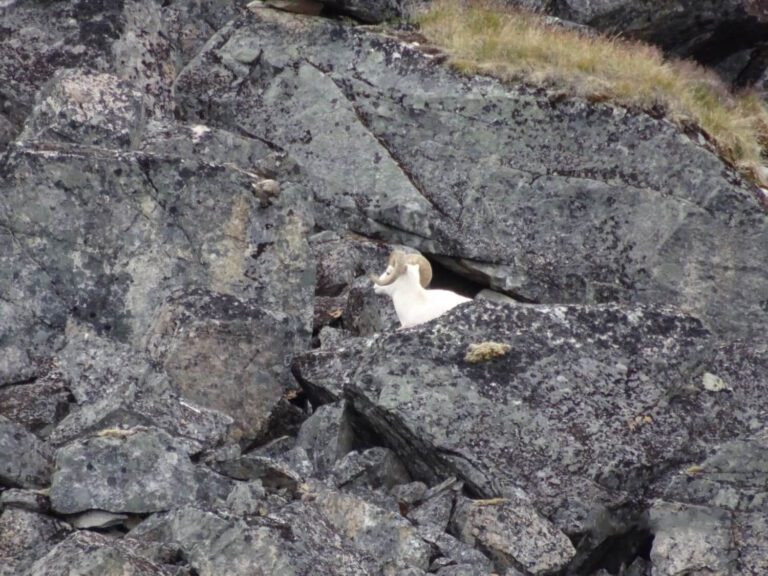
(514, 535)
(192, 195)
(296, 541)
(91, 553)
(137, 471)
(25, 461)
(327, 436)
(25, 537)
(584, 422)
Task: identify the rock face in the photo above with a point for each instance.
(197, 379)
(626, 208)
(584, 422)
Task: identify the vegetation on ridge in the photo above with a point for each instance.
(487, 37)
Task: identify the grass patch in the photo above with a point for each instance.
(486, 37)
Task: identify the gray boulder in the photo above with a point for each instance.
(134, 471)
(26, 536)
(72, 109)
(87, 552)
(453, 555)
(711, 514)
(375, 468)
(381, 534)
(292, 542)
(225, 353)
(581, 418)
(25, 461)
(513, 534)
(327, 435)
(123, 280)
(31, 500)
(37, 405)
(116, 386)
(139, 42)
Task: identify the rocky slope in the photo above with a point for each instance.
(196, 378)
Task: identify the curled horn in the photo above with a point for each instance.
(399, 260)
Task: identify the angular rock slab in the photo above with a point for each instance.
(712, 514)
(72, 109)
(587, 408)
(514, 535)
(692, 538)
(26, 536)
(25, 461)
(225, 353)
(140, 42)
(326, 435)
(117, 386)
(381, 534)
(295, 541)
(551, 199)
(87, 552)
(38, 405)
(135, 471)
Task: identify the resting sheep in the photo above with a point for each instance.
(405, 281)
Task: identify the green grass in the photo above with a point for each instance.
(487, 37)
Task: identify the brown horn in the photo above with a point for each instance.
(397, 261)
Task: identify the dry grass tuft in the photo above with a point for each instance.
(489, 38)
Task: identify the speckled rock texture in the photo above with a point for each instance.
(587, 423)
(197, 379)
(25, 461)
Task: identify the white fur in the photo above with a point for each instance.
(414, 304)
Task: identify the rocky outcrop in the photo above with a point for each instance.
(586, 423)
(626, 208)
(196, 378)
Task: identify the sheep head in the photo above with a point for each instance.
(397, 266)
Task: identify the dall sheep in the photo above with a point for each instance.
(405, 281)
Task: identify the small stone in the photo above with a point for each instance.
(714, 383)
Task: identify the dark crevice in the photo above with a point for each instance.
(445, 279)
(22, 382)
(614, 554)
(317, 395)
